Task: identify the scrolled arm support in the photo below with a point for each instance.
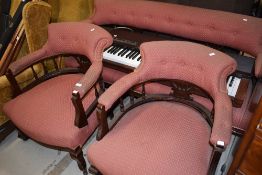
(89, 79)
(102, 120)
(222, 127)
(80, 117)
(28, 60)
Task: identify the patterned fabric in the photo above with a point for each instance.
(69, 37)
(223, 28)
(46, 113)
(5, 89)
(155, 138)
(48, 117)
(89, 79)
(200, 65)
(111, 75)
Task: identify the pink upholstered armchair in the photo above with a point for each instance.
(169, 132)
(57, 108)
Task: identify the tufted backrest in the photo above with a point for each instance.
(76, 38)
(200, 65)
(222, 28)
(195, 63)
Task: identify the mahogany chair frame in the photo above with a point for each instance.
(81, 115)
(181, 92)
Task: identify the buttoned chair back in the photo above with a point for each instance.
(170, 130)
(57, 108)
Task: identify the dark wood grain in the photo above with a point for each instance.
(238, 100)
(251, 164)
(251, 142)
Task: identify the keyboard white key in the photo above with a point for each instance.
(232, 85)
(115, 56)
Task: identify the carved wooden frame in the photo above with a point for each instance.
(181, 92)
(81, 115)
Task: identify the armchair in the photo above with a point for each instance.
(34, 27)
(166, 133)
(56, 109)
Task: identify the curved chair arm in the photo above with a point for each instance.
(89, 79)
(69, 37)
(112, 94)
(222, 126)
(258, 66)
(30, 59)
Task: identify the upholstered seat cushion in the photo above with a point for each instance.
(46, 113)
(155, 138)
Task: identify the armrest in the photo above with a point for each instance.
(109, 97)
(69, 37)
(21, 64)
(222, 127)
(89, 79)
(258, 66)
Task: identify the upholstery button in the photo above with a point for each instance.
(163, 62)
(189, 23)
(235, 33)
(61, 37)
(169, 19)
(149, 16)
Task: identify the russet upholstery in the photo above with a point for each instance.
(51, 119)
(59, 41)
(165, 137)
(223, 28)
(138, 145)
(45, 112)
(181, 69)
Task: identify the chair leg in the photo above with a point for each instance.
(93, 170)
(78, 156)
(22, 136)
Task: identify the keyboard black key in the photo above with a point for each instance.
(128, 55)
(115, 47)
(125, 48)
(115, 51)
(107, 49)
(133, 57)
(126, 51)
(111, 49)
(231, 82)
